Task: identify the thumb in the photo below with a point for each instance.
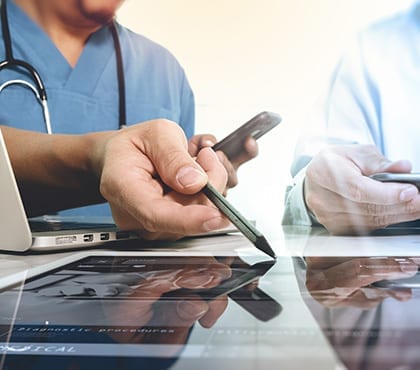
(173, 163)
(371, 161)
(402, 166)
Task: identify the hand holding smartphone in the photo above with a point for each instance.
(232, 145)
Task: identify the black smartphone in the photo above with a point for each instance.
(410, 178)
(232, 145)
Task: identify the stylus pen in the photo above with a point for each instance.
(238, 220)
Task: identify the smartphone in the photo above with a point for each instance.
(410, 178)
(232, 145)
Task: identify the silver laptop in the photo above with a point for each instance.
(49, 232)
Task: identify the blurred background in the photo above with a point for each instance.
(245, 56)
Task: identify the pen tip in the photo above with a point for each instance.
(262, 245)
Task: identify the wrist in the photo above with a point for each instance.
(94, 147)
(309, 211)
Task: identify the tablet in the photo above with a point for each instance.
(142, 310)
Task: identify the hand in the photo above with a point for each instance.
(339, 193)
(152, 184)
(147, 305)
(250, 151)
(340, 282)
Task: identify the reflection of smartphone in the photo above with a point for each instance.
(257, 302)
(411, 283)
(252, 299)
(411, 178)
(242, 275)
(232, 145)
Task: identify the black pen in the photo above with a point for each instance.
(238, 220)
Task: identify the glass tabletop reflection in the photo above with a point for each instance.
(187, 312)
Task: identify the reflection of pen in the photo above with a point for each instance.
(238, 220)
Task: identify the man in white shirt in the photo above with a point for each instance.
(371, 122)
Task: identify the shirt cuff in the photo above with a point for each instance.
(295, 212)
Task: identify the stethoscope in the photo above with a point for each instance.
(38, 87)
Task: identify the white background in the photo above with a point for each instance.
(245, 56)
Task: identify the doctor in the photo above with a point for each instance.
(98, 77)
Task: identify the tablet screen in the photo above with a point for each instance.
(151, 311)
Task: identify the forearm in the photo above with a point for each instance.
(53, 172)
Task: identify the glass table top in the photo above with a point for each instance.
(157, 311)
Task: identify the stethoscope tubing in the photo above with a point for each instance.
(39, 90)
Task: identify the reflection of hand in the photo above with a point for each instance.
(138, 164)
(85, 290)
(93, 285)
(250, 150)
(338, 282)
(342, 197)
(147, 307)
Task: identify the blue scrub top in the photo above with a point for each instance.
(85, 98)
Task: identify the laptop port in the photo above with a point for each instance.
(104, 236)
(88, 237)
(122, 235)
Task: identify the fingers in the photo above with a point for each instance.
(166, 218)
(216, 309)
(191, 310)
(142, 165)
(250, 150)
(342, 216)
(401, 166)
(175, 217)
(345, 176)
(359, 272)
(362, 189)
(210, 163)
(344, 200)
(166, 146)
(198, 142)
(350, 283)
(230, 169)
(206, 277)
(180, 171)
(370, 160)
